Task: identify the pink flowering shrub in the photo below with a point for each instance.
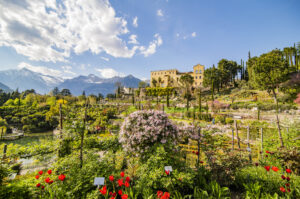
(143, 129)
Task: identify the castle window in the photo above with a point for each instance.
(196, 71)
(199, 77)
(200, 71)
(196, 77)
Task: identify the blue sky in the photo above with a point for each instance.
(68, 38)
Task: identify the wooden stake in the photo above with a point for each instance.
(237, 134)
(248, 144)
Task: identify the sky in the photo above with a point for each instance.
(67, 38)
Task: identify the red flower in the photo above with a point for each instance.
(43, 187)
(125, 196)
(49, 171)
(256, 164)
(38, 185)
(114, 194)
(267, 156)
(110, 193)
(167, 172)
(165, 196)
(120, 182)
(288, 170)
(201, 162)
(288, 178)
(61, 177)
(127, 179)
(159, 194)
(103, 191)
(288, 189)
(283, 177)
(267, 168)
(40, 172)
(275, 169)
(51, 182)
(47, 180)
(282, 189)
(37, 177)
(111, 178)
(122, 174)
(112, 198)
(120, 192)
(193, 152)
(267, 151)
(126, 184)
(287, 184)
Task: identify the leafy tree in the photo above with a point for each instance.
(187, 82)
(269, 71)
(65, 92)
(26, 92)
(154, 82)
(110, 96)
(83, 93)
(119, 89)
(15, 94)
(55, 92)
(143, 84)
(100, 96)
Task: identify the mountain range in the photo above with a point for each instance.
(5, 88)
(24, 79)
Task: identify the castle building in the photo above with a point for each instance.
(165, 78)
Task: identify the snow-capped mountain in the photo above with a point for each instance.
(26, 79)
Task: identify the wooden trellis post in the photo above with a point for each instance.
(262, 142)
(232, 138)
(248, 144)
(237, 134)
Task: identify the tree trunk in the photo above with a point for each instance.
(277, 118)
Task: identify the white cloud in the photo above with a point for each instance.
(177, 34)
(40, 69)
(135, 22)
(67, 69)
(50, 30)
(109, 72)
(105, 58)
(159, 13)
(193, 34)
(152, 46)
(133, 39)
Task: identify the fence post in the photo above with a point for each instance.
(237, 133)
(262, 142)
(248, 144)
(232, 138)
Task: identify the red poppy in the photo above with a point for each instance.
(166, 195)
(38, 185)
(51, 182)
(127, 179)
(282, 189)
(125, 196)
(275, 169)
(43, 187)
(112, 198)
(114, 194)
(287, 184)
(37, 177)
(61, 177)
(193, 151)
(49, 171)
(288, 189)
(288, 170)
(167, 172)
(40, 172)
(288, 178)
(197, 153)
(120, 182)
(110, 193)
(201, 162)
(267, 151)
(283, 177)
(126, 184)
(111, 178)
(122, 174)
(120, 192)
(267, 168)
(103, 191)
(47, 180)
(267, 156)
(256, 164)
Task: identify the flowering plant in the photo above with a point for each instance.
(143, 129)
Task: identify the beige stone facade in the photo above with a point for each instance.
(171, 77)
